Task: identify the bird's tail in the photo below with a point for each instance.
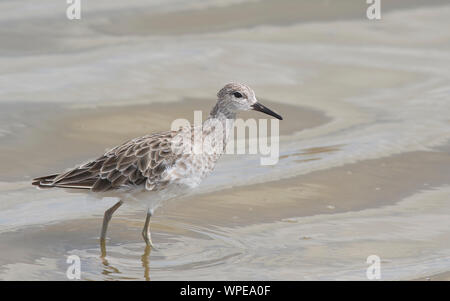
(44, 182)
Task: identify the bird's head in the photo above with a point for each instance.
(239, 97)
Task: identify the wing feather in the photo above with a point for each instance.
(135, 162)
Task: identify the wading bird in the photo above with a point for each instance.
(158, 166)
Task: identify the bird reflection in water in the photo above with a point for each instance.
(109, 269)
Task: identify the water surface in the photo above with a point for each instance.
(364, 148)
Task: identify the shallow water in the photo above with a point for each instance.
(364, 148)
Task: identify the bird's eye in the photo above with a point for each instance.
(237, 94)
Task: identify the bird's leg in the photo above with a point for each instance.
(107, 217)
(146, 231)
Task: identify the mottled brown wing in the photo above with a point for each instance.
(136, 162)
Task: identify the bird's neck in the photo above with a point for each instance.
(223, 117)
(221, 111)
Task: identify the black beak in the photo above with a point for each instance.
(261, 108)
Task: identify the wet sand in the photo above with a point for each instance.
(58, 138)
(364, 144)
(353, 187)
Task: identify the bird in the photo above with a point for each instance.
(159, 166)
